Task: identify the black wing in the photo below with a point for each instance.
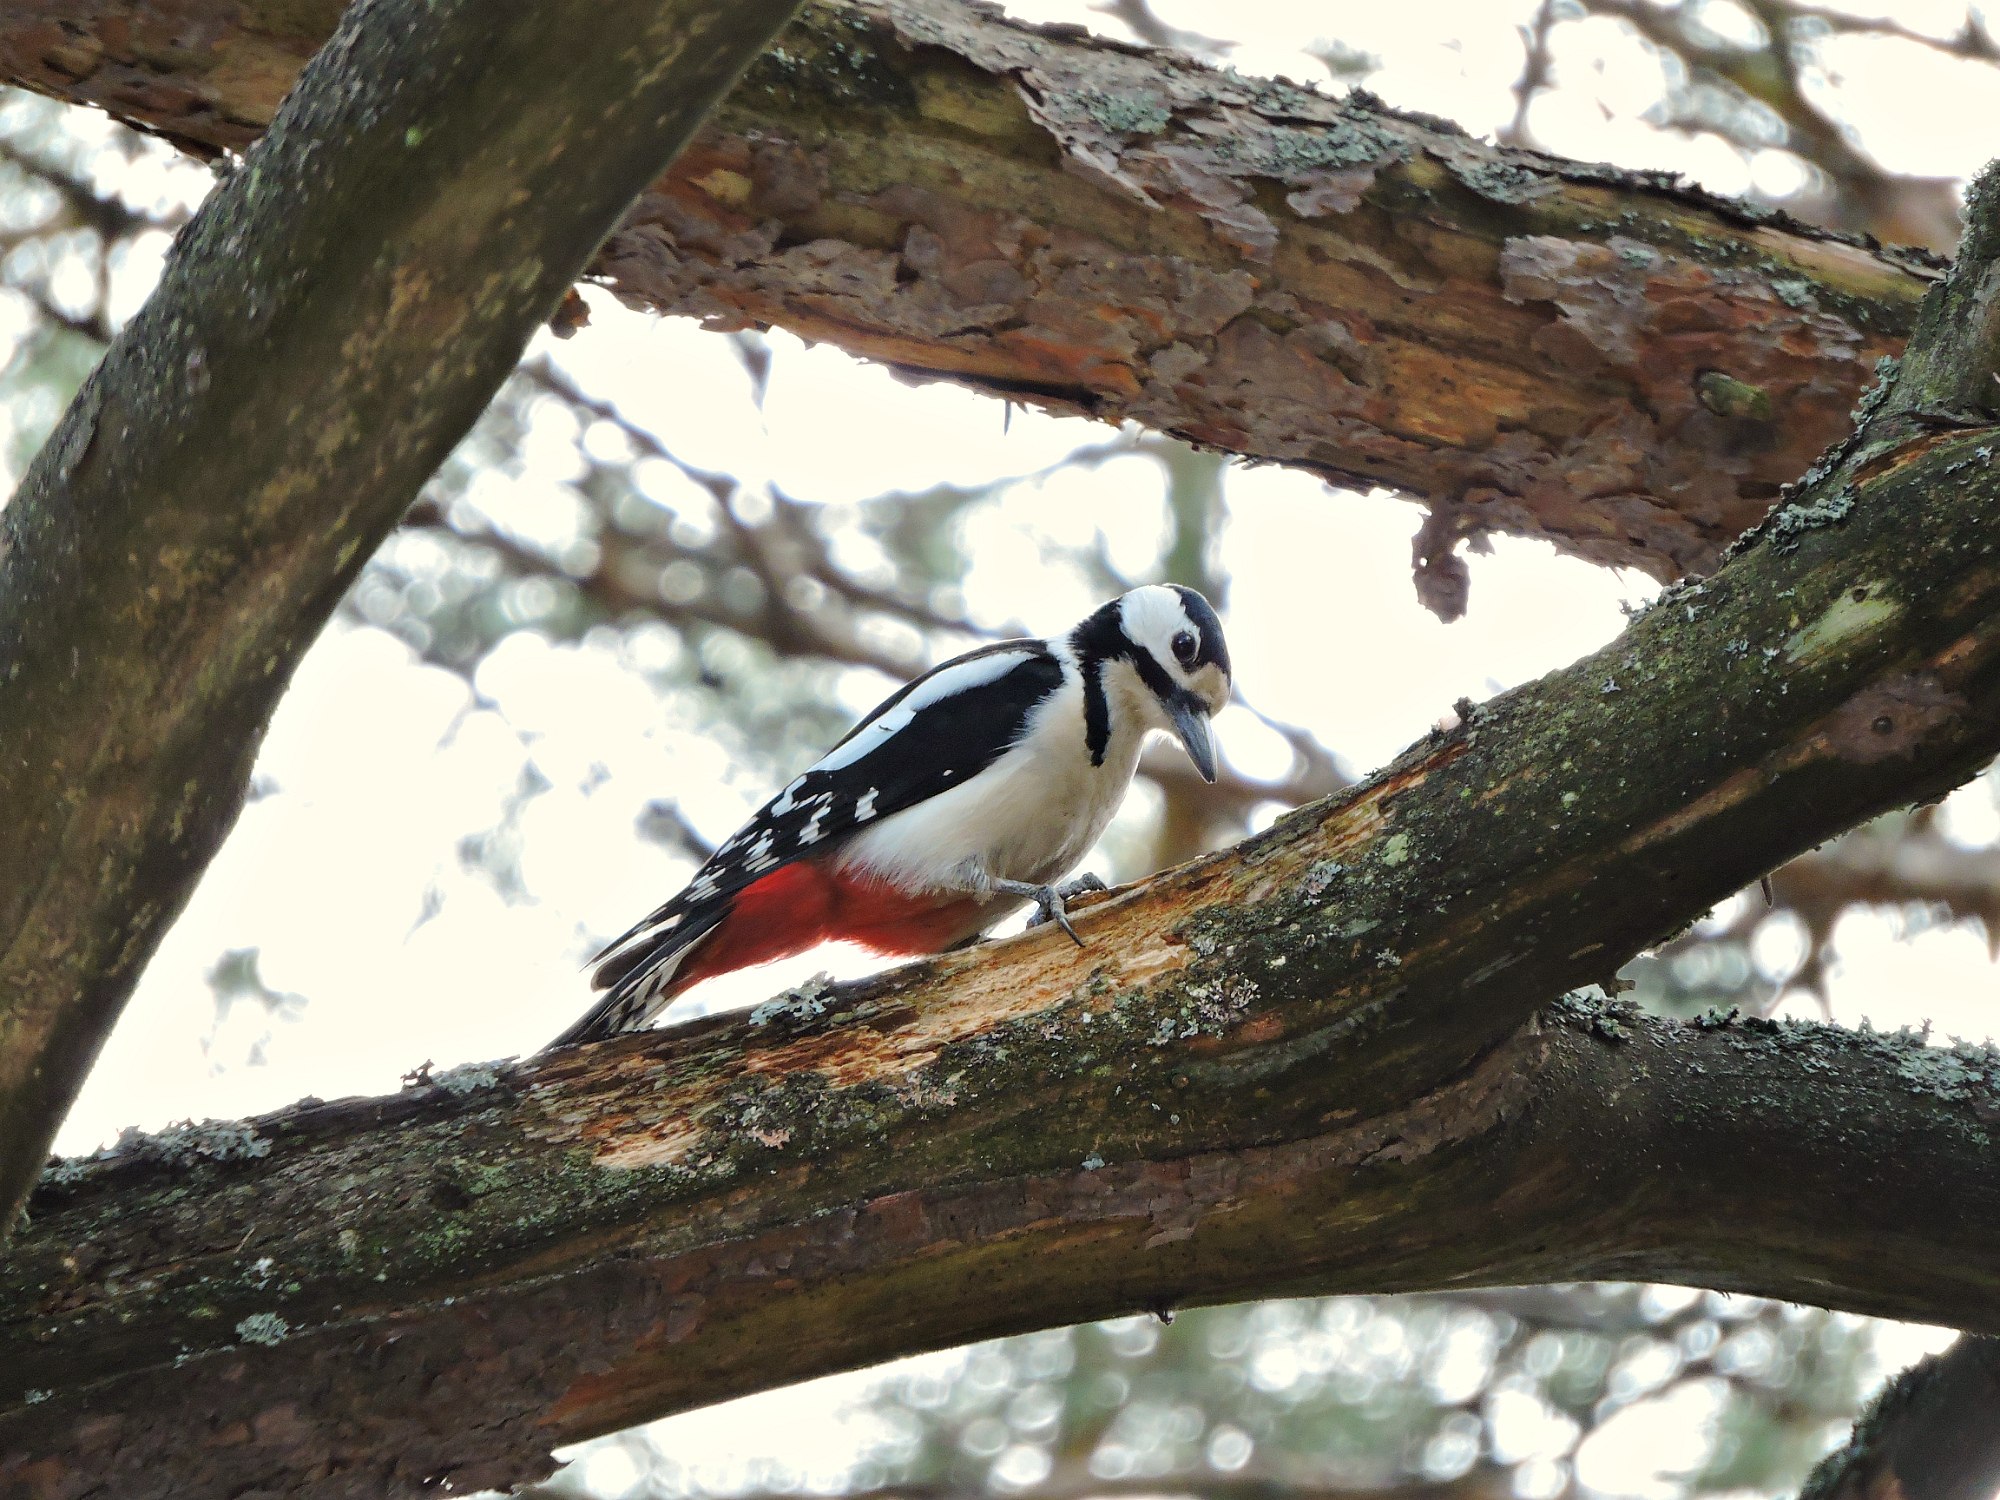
(931, 735)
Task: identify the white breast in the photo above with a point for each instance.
(1031, 815)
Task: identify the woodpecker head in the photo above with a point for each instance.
(1159, 652)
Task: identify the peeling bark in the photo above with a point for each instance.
(326, 329)
(1310, 1063)
(1624, 366)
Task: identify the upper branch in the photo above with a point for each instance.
(328, 326)
(1535, 346)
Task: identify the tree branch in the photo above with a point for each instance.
(1603, 358)
(1288, 1068)
(445, 1284)
(328, 327)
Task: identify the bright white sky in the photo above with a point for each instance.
(346, 874)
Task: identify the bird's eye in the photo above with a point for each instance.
(1185, 646)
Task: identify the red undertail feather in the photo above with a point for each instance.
(798, 905)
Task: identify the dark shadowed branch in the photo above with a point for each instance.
(328, 326)
(1934, 1434)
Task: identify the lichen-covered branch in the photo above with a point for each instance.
(1289, 1067)
(328, 326)
(376, 1296)
(1534, 346)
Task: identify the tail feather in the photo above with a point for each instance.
(637, 975)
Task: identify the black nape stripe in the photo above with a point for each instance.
(1099, 639)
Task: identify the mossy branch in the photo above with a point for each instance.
(327, 327)
(381, 1294)
(1609, 359)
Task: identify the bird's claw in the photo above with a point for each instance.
(1050, 903)
(1049, 908)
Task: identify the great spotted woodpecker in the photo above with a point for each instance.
(965, 794)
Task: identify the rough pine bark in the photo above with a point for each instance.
(1608, 359)
(378, 1297)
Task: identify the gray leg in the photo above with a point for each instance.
(1049, 900)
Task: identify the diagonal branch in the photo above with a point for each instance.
(1547, 348)
(1311, 1063)
(328, 326)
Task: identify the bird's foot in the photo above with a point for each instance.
(1051, 900)
(1085, 884)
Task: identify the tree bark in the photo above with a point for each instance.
(1308, 1064)
(326, 329)
(1606, 359)
(446, 1284)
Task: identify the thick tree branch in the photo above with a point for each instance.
(1534, 346)
(1287, 1068)
(329, 325)
(445, 1284)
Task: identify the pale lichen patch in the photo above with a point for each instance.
(265, 1328)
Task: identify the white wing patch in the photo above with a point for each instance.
(945, 683)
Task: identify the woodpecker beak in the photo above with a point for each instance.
(1190, 720)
